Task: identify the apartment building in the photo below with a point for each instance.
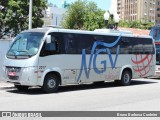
(157, 15)
(141, 10)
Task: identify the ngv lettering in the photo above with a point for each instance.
(93, 58)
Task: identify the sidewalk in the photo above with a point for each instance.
(4, 84)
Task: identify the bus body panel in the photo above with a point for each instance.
(27, 70)
(43, 72)
(70, 65)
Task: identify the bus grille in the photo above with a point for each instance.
(13, 73)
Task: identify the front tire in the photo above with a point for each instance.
(21, 87)
(50, 84)
(126, 78)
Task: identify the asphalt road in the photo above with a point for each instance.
(141, 95)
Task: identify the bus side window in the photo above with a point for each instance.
(70, 45)
(50, 48)
(109, 40)
(98, 39)
(84, 42)
(125, 48)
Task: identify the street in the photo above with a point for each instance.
(141, 95)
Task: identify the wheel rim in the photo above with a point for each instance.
(51, 83)
(126, 78)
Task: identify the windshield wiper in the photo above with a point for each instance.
(25, 51)
(14, 54)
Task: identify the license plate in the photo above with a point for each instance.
(12, 73)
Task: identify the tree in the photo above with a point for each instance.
(136, 24)
(15, 19)
(74, 15)
(83, 15)
(93, 18)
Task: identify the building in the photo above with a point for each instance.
(54, 15)
(157, 15)
(114, 5)
(139, 10)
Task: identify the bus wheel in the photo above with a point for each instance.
(126, 78)
(20, 87)
(50, 84)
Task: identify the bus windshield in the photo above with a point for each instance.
(155, 33)
(26, 44)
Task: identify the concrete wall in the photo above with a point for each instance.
(4, 46)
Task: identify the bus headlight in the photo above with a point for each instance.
(28, 73)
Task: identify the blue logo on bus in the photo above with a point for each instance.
(93, 58)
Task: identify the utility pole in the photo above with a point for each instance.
(30, 14)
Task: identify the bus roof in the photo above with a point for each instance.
(43, 30)
(113, 31)
(96, 32)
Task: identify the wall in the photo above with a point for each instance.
(4, 46)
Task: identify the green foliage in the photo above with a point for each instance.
(136, 24)
(83, 15)
(15, 19)
(74, 15)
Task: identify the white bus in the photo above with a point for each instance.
(52, 57)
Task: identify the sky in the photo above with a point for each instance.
(103, 4)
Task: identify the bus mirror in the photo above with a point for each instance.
(48, 39)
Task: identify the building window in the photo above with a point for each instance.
(158, 15)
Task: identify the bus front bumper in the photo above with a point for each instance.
(22, 76)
